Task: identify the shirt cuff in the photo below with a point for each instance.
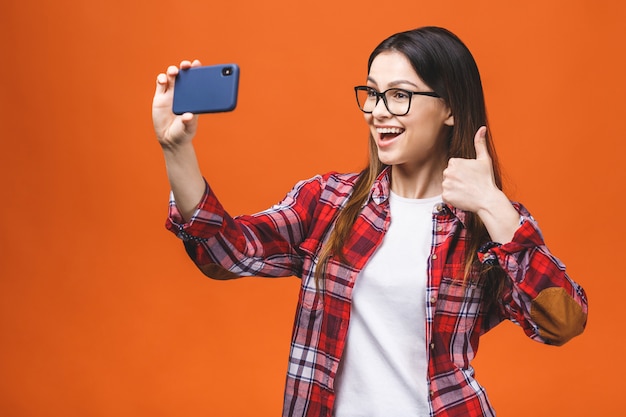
(204, 223)
(488, 253)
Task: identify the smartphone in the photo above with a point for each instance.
(209, 89)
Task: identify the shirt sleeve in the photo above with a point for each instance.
(538, 294)
(263, 244)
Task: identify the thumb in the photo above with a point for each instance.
(480, 143)
(190, 122)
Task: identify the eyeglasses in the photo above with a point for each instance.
(397, 100)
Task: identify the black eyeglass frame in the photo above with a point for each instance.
(382, 95)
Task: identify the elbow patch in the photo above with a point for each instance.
(558, 316)
(217, 272)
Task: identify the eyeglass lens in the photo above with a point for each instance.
(397, 100)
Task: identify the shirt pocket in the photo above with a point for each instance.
(459, 304)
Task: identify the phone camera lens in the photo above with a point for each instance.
(226, 71)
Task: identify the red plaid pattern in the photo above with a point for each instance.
(286, 239)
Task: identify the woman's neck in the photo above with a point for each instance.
(417, 181)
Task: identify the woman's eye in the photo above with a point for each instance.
(400, 95)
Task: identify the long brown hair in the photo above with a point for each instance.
(447, 66)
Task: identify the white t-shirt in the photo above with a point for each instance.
(383, 371)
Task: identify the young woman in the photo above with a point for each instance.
(403, 265)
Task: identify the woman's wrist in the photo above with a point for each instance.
(499, 217)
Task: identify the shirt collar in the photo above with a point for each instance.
(381, 187)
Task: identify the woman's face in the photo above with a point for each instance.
(417, 139)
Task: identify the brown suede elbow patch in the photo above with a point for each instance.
(558, 315)
(217, 272)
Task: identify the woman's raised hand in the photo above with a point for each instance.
(171, 130)
(468, 184)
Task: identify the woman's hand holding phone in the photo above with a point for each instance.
(172, 130)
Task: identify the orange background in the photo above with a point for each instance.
(102, 314)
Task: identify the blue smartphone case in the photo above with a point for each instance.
(209, 89)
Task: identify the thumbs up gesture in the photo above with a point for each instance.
(468, 184)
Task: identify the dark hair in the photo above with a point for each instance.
(447, 66)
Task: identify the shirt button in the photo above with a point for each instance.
(434, 256)
(439, 228)
(432, 346)
(433, 299)
(439, 207)
(432, 393)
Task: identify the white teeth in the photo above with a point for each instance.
(393, 130)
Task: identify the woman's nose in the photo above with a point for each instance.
(380, 109)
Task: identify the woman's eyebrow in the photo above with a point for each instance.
(394, 83)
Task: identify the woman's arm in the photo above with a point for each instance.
(263, 244)
(538, 295)
(175, 135)
(220, 245)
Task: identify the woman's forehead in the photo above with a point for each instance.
(391, 68)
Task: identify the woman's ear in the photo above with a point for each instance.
(449, 121)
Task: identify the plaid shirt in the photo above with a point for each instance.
(286, 241)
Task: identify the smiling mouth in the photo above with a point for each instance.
(389, 132)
